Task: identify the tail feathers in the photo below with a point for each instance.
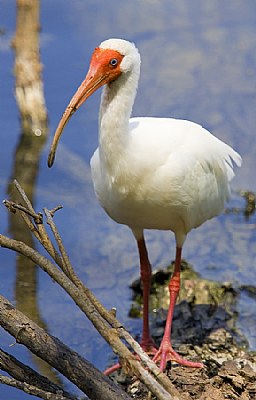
(232, 158)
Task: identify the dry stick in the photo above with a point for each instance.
(23, 373)
(109, 317)
(31, 389)
(69, 271)
(39, 231)
(67, 267)
(25, 198)
(110, 335)
(12, 206)
(79, 371)
(103, 312)
(41, 236)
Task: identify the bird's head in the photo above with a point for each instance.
(111, 59)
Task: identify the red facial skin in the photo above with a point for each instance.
(104, 68)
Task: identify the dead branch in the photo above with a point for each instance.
(23, 373)
(111, 335)
(110, 317)
(31, 389)
(38, 230)
(79, 371)
(105, 322)
(12, 207)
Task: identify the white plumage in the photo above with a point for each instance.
(156, 173)
(170, 174)
(150, 173)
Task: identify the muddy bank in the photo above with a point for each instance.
(204, 329)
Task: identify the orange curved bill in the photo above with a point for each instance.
(86, 89)
(100, 73)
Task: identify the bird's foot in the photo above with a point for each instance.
(112, 369)
(166, 353)
(147, 345)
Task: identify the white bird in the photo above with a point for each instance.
(150, 173)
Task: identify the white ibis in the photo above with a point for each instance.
(150, 173)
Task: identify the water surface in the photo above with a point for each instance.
(198, 63)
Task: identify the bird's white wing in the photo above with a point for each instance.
(161, 141)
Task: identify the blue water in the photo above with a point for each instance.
(198, 63)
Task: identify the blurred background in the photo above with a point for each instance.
(198, 63)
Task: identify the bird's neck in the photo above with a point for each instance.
(115, 111)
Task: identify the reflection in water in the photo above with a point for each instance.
(34, 130)
(29, 86)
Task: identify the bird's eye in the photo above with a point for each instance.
(113, 62)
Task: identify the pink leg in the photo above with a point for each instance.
(166, 352)
(112, 369)
(147, 342)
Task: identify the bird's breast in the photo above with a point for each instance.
(159, 198)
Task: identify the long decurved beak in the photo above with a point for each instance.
(94, 79)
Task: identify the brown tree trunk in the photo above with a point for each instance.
(28, 69)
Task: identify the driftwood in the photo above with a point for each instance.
(25, 378)
(104, 321)
(83, 374)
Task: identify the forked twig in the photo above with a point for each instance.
(105, 314)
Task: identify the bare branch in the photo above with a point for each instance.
(112, 320)
(79, 371)
(88, 303)
(23, 373)
(67, 268)
(24, 197)
(53, 211)
(39, 230)
(110, 335)
(31, 389)
(12, 207)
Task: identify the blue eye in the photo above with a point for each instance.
(113, 62)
